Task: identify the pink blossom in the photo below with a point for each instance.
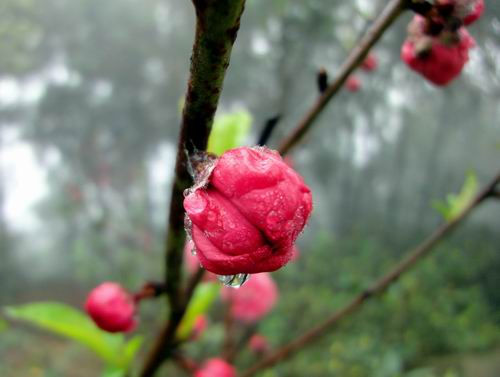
(254, 299)
(247, 216)
(437, 61)
(475, 14)
(111, 307)
(216, 367)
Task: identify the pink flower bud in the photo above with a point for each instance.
(437, 61)
(254, 299)
(370, 63)
(353, 84)
(476, 13)
(258, 343)
(215, 368)
(111, 308)
(200, 324)
(248, 214)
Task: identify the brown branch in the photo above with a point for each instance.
(217, 23)
(389, 14)
(378, 287)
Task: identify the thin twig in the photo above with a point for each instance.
(378, 287)
(248, 332)
(389, 14)
(229, 328)
(217, 23)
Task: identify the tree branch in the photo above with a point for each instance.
(378, 287)
(390, 13)
(217, 23)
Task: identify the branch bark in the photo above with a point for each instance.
(378, 287)
(217, 24)
(389, 14)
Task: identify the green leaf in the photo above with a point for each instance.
(229, 131)
(74, 324)
(456, 203)
(203, 297)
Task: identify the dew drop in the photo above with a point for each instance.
(234, 281)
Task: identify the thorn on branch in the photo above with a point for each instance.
(322, 80)
(268, 129)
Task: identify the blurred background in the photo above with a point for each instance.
(89, 116)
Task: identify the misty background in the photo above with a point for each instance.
(90, 93)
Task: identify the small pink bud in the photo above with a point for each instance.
(216, 367)
(258, 343)
(440, 63)
(111, 308)
(476, 13)
(254, 299)
(248, 214)
(353, 84)
(370, 63)
(200, 324)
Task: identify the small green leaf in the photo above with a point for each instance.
(203, 297)
(71, 323)
(456, 203)
(229, 131)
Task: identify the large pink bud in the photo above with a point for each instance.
(192, 262)
(248, 214)
(253, 300)
(215, 368)
(437, 61)
(111, 307)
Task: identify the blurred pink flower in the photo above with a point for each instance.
(215, 367)
(254, 299)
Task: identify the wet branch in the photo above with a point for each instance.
(378, 287)
(389, 14)
(217, 23)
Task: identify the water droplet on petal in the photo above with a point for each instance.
(234, 281)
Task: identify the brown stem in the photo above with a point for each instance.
(390, 13)
(376, 288)
(217, 23)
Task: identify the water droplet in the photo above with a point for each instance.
(234, 281)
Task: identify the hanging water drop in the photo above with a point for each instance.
(234, 281)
